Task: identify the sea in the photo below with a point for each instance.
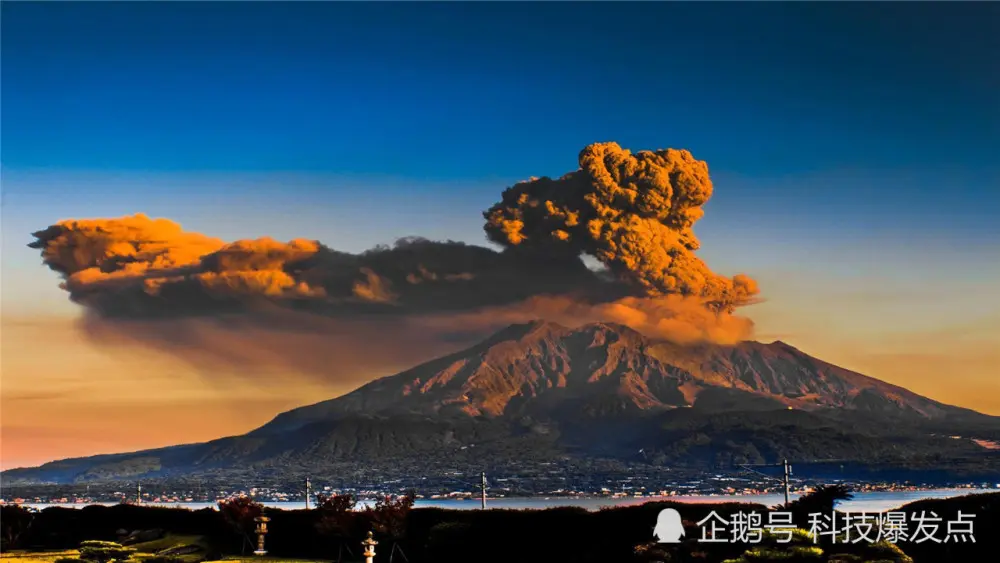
(869, 501)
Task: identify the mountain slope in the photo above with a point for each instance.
(541, 391)
(541, 366)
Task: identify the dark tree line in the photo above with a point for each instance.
(335, 528)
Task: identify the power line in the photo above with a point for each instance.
(787, 472)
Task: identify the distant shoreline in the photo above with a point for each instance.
(864, 501)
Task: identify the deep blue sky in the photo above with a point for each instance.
(821, 123)
(462, 90)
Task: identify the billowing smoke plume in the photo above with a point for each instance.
(139, 267)
(634, 213)
(306, 305)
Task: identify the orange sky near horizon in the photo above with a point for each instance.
(88, 399)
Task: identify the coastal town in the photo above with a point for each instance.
(152, 493)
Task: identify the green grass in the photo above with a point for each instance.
(37, 556)
(148, 549)
(169, 540)
(251, 559)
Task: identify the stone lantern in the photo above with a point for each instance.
(369, 546)
(261, 531)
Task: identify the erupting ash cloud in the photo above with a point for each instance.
(634, 213)
(149, 281)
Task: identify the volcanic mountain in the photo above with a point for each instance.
(541, 391)
(540, 368)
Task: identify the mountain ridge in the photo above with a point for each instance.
(541, 390)
(744, 366)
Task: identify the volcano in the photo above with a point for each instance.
(541, 391)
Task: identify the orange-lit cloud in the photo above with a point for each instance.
(633, 212)
(684, 320)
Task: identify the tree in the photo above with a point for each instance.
(336, 504)
(241, 513)
(15, 521)
(388, 518)
(820, 501)
(336, 519)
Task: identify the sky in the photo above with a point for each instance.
(852, 148)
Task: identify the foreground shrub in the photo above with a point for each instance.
(104, 551)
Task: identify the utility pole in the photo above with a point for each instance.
(785, 479)
(788, 472)
(308, 490)
(484, 490)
